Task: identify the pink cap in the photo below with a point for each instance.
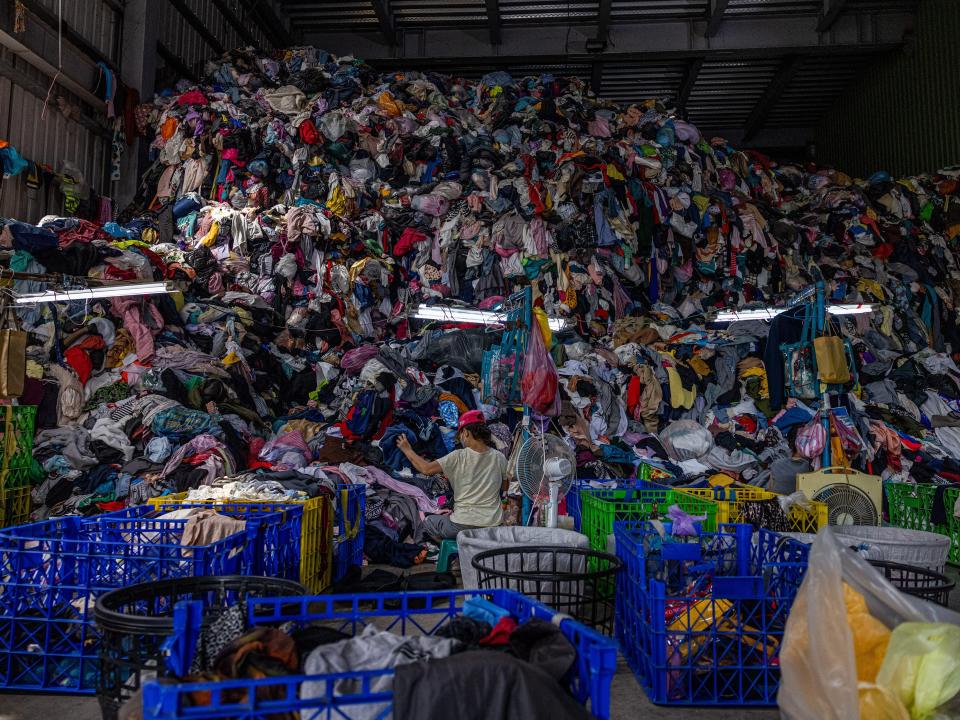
(470, 417)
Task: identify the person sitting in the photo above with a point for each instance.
(783, 472)
(476, 473)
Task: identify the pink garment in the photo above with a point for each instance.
(201, 443)
(424, 502)
(281, 445)
(355, 360)
(132, 310)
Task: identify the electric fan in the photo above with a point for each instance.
(851, 497)
(545, 470)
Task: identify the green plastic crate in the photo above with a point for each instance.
(602, 508)
(953, 525)
(911, 506)
(16, 426)
(16, 478)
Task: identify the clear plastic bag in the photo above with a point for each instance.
(686, 440)
(817, 659)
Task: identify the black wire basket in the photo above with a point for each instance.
(135, 621)
(575, 581)
(917, 581)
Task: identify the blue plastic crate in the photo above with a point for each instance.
(421, 613)
(349, 522)
(275, 552)
(701, 621)
(51, 572)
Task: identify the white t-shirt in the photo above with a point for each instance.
(476, 478)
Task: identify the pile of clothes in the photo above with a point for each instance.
(304, 206)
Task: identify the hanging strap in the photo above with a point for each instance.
(350, 531)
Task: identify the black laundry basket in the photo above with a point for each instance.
(576, 581)
(135, 621)
(917, 581)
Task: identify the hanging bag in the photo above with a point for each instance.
(13, 353)
(540, 384)
(798, 359)
(832, 367)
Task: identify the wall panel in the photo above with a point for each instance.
(903, 114)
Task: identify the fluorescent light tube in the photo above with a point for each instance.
(849, 309)
(769, 313)
(94, 293)
(754, 314)
(476, 317)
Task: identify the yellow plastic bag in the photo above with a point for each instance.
(870, 636)
(922, 666)
(879, 703)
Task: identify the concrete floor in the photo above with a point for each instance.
(628, 703)
(628, 700)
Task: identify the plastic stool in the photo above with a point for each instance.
(448, 548)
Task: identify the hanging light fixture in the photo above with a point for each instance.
(473, 317)
(94, 293)
(769, 313)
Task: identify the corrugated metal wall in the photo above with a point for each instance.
(52, 139)
(95, 21)
(187, 44)
(903, 114)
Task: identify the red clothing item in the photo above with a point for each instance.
(193, 97)
(500, 635)
(112, 506)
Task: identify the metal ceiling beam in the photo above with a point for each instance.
(603, 19)
(689, 80)
(385, 18)
(778, 84)
(774, 36)
(493, 19)
(831, 11)
(715, 17)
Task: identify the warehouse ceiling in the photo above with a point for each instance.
(760, 72)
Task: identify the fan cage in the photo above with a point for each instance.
(847, 505)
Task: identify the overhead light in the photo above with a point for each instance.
(849, 309)
(769, 313)
(94, 293)
(754, 314)
(474, 317)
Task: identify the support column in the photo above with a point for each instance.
(138, 69)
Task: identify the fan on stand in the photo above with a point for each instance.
(545, 470)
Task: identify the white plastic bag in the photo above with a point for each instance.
(817, 660)
(686, 440)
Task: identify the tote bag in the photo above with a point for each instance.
(13, 353)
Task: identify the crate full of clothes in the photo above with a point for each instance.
(419, 655)
(350, 503)
(927, 507)
(602, 508)
(763, 509)
(309, 549)
(52, 571)
(700, 615)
